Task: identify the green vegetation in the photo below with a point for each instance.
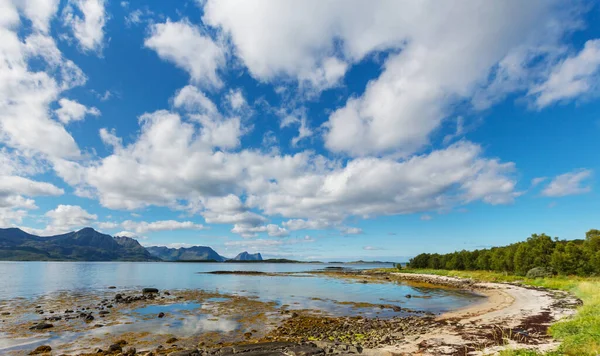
(539, 254)
(579, 335)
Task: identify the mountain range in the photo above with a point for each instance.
(90, 245)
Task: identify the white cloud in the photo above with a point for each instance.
(193, 100)
(236, 100)
(86, 18)
(571, 183)
(372, 248)
(301, 224)
(426, 217)
(351, 231)
(11, 217)
(438, 59)
(183, 44)
(142, 227)
(63, 219)
(71, 110)
(25, 95)
(536, 181)
(571, 78)
(161, 168)
(128, 234)
(40, 12)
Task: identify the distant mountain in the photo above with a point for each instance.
(245, 256)
(194, 253)
(83, 245)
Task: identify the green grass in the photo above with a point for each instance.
(579, 335)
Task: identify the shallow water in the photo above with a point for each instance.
(45, 282)
(34, 279)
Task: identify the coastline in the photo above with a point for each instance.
(510, 316)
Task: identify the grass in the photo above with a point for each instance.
(579, 335)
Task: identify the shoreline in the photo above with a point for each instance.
(510, 316)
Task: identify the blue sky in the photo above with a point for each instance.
(307, 130)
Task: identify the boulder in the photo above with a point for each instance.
(149, 290)
(115, 348)
(41, 350)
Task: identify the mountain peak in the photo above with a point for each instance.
(245, 256)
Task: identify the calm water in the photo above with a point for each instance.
(33, 279)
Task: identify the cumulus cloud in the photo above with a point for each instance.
(70, 110)
(63, 219)
(86, 19)
(40, 12)
(183, 44)
(161, 168)
(571, 183)
(571, 78)
(437, 59)
(142, 227)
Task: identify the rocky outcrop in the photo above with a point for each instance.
(245, 256)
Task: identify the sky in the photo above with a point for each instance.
(312, 130)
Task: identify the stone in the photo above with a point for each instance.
(115, 348)
(89, 318)
(5, 313)
(161, 315)
(41, 350)
(112, 287)
(171, 340)
(408, 296)
(41, 326)
(149, 290)
(130, 352)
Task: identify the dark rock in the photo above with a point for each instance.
(408, 296)
(115, 348)
(171, 340)
(89, 318)
(149, 290)
(263, 346)
(192, 352)
(166, 293)
(41, 326)
(118, 297)
(104, 312)
(5, 313)
(98, 325)
(68, 311)
(112, 287)
(41, 349)
(305, 350)
(396, 308)
(247, 335)
(161, 315)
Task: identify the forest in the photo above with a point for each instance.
(538, 256)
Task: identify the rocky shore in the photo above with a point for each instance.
(509, 316)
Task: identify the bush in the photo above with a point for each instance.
(540, 272)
